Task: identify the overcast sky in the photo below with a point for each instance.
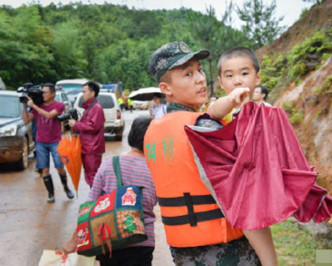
(290, 9)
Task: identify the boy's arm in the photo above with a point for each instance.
(224, 105)
(262, 242)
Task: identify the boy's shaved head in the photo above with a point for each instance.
(239, 52)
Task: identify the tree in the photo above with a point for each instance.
(70, 61)
(260, 25)
(24, 48)
(216, 36)
(205, 30)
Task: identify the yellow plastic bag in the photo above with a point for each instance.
(57, 258)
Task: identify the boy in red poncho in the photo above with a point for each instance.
(253, 163)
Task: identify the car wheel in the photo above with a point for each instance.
(23, 162)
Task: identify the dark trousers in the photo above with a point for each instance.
(133, 256)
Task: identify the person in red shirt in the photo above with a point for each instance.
(48, 137)
(91, 130)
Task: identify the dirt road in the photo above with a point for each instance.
(28, 224)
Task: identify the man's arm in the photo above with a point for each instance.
(26, 116)
(93, 123)
(42, 112)
(224, 105)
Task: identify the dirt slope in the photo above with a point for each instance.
(315, 130)
(318, 17)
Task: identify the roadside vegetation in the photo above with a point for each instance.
(278, 69)
(296, 244)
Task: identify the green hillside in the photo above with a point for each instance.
(106, 43)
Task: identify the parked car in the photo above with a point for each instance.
(114, 124)
(16, 141)
(71, 87)
(62, 97)
(141, 105)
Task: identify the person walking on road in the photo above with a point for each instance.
(91, 131)
(48, 137)
(134, 172)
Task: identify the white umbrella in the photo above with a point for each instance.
(146, 94)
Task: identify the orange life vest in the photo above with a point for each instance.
(190, 215)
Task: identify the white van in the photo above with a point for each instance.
(114, 124)
(71, 87)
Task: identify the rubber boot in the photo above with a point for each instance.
(50, 188)
(69, 193)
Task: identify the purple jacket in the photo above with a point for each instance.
(91, 128)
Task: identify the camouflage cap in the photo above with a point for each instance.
(171, 55)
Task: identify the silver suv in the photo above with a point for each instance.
(114, 124)
(16, 140)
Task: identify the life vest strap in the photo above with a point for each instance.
(189, 201)
(180, 201)
(198, 217)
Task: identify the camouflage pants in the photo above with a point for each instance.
(237, 252)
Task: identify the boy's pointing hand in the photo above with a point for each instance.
(240, 96)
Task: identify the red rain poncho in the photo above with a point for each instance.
(255, 168)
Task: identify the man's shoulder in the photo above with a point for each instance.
(56, 104)
(98, 106)
(175, 119)
(266, 103)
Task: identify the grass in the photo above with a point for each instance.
(296, 245)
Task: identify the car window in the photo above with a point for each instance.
(9, 106)
(61, 97)
(73, 92)
(106, 101)
(65, 98)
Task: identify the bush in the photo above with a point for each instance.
(296, 118)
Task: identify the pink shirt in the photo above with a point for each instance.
(48, 129)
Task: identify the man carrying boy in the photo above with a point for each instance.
(195, 227)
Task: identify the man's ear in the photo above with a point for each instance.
(165, 88)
